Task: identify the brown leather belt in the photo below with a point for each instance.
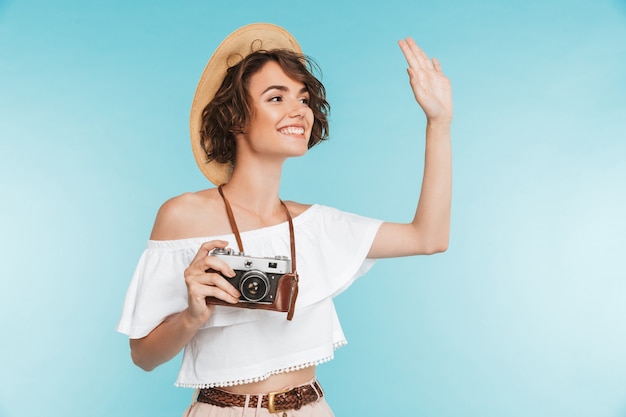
(291, 399)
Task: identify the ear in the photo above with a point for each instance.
(237, 130)
(238, 134)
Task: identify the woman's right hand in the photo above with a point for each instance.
(203, 279)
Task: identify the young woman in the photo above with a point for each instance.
(258, 104)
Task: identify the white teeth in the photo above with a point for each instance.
(292, 130)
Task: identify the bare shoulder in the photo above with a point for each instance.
(194, 214)
(297, 209)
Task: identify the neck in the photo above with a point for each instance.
(255, 189)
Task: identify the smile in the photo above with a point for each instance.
(292, 130)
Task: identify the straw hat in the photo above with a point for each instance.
(230, 52)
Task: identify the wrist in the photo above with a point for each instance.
(191, 322)
(439, 122)
(437, 129)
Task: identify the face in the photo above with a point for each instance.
(281, 120)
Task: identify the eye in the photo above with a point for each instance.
(275, 99)
(304, 100)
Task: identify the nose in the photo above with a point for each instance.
(298, 111)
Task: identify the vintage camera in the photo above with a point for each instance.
(255, 278)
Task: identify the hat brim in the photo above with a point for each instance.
(236, 46)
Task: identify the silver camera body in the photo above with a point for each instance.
(255, 278)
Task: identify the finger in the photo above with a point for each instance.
(410, 56)
(207, 247)
(419, 52)
(222, 283)
(210, 271)
(213, 264)
(437, 65)
(420, 56)
(220, 294)
(213, 285)
(216, 292)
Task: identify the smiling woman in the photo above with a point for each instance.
(248, 118)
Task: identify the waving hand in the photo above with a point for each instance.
(430, 86)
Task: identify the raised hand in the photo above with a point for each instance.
(430, 86)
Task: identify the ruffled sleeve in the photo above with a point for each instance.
(332, 253)
(157, 289)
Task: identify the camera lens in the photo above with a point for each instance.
(254, 286)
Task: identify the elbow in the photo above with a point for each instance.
(139, 359)
(429, 240)
(140, 363)
(439, 248)
(431, 250)
(436, 246)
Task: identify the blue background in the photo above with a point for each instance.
(523, 316)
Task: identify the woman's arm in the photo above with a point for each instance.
(164, 342)
(430, 229)
(202, 280)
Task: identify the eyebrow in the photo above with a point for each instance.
(283, 88)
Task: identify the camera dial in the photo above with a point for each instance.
(222, 251)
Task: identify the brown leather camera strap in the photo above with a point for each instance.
(292, 244)
(231, 219)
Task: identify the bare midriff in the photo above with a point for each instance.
(276, 382)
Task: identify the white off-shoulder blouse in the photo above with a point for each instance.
(238, 345)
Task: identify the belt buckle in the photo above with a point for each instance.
(270, 400)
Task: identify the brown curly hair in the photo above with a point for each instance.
(229, 111)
